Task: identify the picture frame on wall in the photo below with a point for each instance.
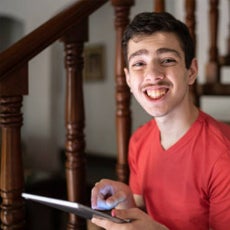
(94, 62)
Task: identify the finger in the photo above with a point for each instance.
(96, 194)
(103, 223)
(99, 194)
(133, 213)
(99, 202)
(94, 197)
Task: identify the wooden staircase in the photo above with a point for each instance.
(71, 27)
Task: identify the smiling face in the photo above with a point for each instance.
(157, 75)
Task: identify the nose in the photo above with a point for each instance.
(154, 73)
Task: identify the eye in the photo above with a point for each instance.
(138, 64)
(168, 61)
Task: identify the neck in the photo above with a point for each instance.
(172, 127)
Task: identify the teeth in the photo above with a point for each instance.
(155, 94)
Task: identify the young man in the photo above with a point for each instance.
(180, 160)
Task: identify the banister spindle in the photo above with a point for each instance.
(14, 86)
(12, 179)
(190, 21)
(190, 17)
(123, 114)
(159, 5)
(225, 59)
(75, 119)
(213, 67)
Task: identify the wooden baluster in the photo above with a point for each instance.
(12, 173)
(228, 39)
(213, 67)
(75, 120)
(12, 182)
(190, 20)
(159, 6)
(225, 60)
(123, 113)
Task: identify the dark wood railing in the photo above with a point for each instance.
(32, 44)
(71, 27)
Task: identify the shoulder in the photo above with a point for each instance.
(213, 140)
(143, 131)
(214, 127)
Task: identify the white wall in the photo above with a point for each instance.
(43, 131)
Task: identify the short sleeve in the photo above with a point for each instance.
(220, 193)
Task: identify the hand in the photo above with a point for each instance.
(108, 194)
(140, 220)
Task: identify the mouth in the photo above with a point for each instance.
(156, 94)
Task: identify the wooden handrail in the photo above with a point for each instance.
(33, 43)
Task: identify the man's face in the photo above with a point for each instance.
(157, 75)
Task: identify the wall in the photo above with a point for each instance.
(38, 132)
(43, 131)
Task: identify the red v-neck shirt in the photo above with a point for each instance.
(186, 187)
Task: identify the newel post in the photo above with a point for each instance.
(123, 113)
(12, 87)
(75, 119)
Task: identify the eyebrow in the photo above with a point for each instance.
(159, 51)
(138, 53)
(168, 50)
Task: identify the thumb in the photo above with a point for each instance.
(125, 213)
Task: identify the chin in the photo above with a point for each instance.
(155, 114)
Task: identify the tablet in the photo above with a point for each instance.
(73, 207)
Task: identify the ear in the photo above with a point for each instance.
(193, 71)
(127, 76)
